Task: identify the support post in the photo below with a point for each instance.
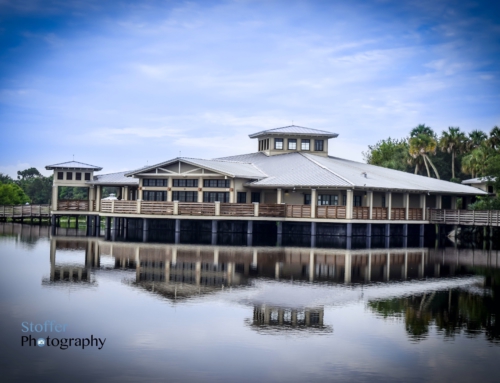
(255, 209)
(349, 203)
(388, 202)
(217, 208)
(249, 227)
(176, 207)
(279, 196)
(314, 203)
(348, 231)
(406, 205)
(177, 225)
(369, 202)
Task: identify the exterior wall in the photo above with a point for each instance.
(73, 182)
(397, 200)
(296, 198)
(299, 139)
(377, 199)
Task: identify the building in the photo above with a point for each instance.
(480, 183)
(290, 177)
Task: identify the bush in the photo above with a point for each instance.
(486, 203)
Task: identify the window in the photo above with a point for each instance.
(154, 195)
(69, 175)
(60, 175)
(215, 196)
(278, 143)
(292, 144)
(87, 176)
(304, 144)
(216, 183)
(78, 176)
(185, 196)
(344, 199)
(318, 145)
(185, 183)
(490, 189)
(241, 197)
(255, 196)
(327, 199)
(307, 199)
(154, 182)
(357, 200)
(383, 201)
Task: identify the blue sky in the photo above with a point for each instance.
(122, 84)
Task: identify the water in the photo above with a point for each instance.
(205, 313)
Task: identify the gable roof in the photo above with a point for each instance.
(114, 178)
(73, 165)
(308, 170)
(295, 130)
(225, 167)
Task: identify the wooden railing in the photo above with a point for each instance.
(331, 212)
(379, 213)
(398, 213)
(186, 208)
(271, 210)
(298, 211)
(415, 214)
(19, 211)
(360, 212)
(237, 209)
(465, 217)
(73, 205)
(154, 207)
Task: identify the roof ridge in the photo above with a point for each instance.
(305, 155)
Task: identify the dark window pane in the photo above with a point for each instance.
(307, 199)
(318, 145)
(305, 144)
(69, 175)
(255, 196)
(60, 175)
(241, 197)
(292, 144)
(78, 176)
(87, 176)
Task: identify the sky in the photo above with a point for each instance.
(122, 84)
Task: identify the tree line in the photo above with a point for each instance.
(452, 156)
(30, 187)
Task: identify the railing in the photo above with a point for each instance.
(331, 212)
(271, 210)
(154, 207)
(379, 213)
(186, 208)
(360, 212)
(19, 211)
(237, 209)
(124, 207)
(465, 217)
(398, 213)
(73, 205)
(415, 214)
(298, 211)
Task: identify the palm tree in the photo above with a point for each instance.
(422, 129)
(494, 139)
(452, 141)
(420, 145)
(476, 138)
(475, 162)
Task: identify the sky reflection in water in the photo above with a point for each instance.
(237, 313)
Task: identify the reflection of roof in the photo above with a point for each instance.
(302, 169)
(295, 130)
(73, 165)
(473, 181)
(230, 168)
(114, 178)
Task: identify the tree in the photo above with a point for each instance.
(392, 154)
(476, 161)
(28, 174)
(422, 141)
(476, 139)
(452, 141)
(5, 179)
(12, 194)
(35, 185)
(494, 140)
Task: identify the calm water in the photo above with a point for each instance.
(260, 313)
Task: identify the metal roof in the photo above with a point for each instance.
(308, 170)
(73, 165)
(114, 179)
(226, 167)
(295, 130)
(473, 181)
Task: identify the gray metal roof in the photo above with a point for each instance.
(308, 170)
(295, 130)
(226, 167)
(73, 165)
(473, 181)
(114, 179)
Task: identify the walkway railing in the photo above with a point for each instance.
(465, 217)
(73, 205)
(24, 211)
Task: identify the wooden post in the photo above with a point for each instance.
(217, 208)
(255, 209)
(314, 202)
(349, 204)
(369, 201)
(388, 203)
(176, 207)
(406, 204)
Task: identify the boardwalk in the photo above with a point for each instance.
(22, 212)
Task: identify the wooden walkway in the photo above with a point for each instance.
(465, 217)
(25, 211)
